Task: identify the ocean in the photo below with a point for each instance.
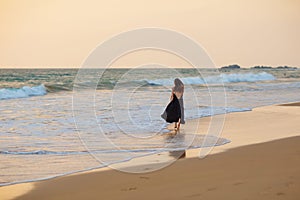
(42, 136)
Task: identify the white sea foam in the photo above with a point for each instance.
(26, 91)
(222, 78)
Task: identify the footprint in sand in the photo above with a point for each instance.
(288, 184)
(129, 189)
(280, 193)
(211, 189)
(194, 195)
(144, 177)
(238, 183)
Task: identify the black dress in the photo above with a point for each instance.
(172, 112)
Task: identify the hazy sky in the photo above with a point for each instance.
(61, 33)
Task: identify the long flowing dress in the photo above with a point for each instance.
(172, 112)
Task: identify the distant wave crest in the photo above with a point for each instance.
(222, 78)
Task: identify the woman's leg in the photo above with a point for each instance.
(177, 125)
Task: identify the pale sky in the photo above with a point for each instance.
(61, 33)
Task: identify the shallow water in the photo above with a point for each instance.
(38, 133)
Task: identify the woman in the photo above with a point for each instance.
(175, 111)
(178, 90)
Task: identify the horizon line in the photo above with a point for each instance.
(128, 67)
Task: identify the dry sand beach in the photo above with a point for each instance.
(261, 162)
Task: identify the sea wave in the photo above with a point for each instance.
(39, 152)
(57, 87)
(46, 152)
(26, 91)
(207, 111)
(145, 150)
(43, 89)
(222, 78)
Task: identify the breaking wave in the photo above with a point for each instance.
(222, 78)
(26, 91)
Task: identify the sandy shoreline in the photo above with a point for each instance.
(251, 167)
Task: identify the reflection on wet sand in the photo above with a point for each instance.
(177, 136)
(177, 154)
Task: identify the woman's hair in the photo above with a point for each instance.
(179, 87)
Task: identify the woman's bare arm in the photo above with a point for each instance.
(171, 97)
